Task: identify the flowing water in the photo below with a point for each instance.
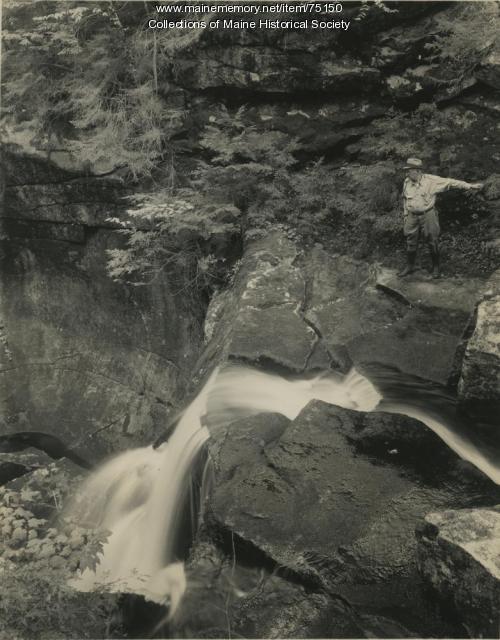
(140, 496)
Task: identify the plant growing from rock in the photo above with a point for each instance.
(180, 233)
(39, 552)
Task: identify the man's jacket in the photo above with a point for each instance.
(420, 196)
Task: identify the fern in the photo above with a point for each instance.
(173, 233)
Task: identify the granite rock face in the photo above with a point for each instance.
(96, 363)
(336, 312)
(479, 386)
(459, 557)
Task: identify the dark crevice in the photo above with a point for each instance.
(73, 203)
(247, 554)
(25, 225)
(303, 309)
(49, 444)
(235, 96)
(458, 360)
(319, 339)
(11, 470)
(328, 154)
(312, 352)
(268, 364)
(83, 179)
(393, 293)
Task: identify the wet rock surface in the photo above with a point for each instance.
(459, 557)
(334, 500)
(254, 602)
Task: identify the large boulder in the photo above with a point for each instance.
(267, 294)
(333, 499)
(459, 557)
(413, 326)
(479, 386)
(429, 340)
(227, 594)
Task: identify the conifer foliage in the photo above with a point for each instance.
(76, 79)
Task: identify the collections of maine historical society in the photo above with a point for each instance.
(245, 16)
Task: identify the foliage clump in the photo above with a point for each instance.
(76, 80)
(39, 553)
(178, 232)
(245, 185)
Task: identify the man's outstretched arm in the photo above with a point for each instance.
(443, 184)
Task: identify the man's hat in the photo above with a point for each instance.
(414, 163)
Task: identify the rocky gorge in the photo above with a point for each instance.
(339, 522)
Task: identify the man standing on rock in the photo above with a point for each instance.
(419, 212)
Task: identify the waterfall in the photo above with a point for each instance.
(460, 444)
(139, 495)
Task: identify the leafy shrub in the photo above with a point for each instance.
(247, 167)
(257, 172)
(176, 232)
(247, 184)
(189, 230)
(38, 555)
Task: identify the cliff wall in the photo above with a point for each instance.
(97, 363)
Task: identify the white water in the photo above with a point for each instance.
(138, 495)
(460, 445)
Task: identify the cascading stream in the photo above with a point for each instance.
(139, 495)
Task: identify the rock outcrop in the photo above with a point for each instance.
(479, 386)
(336, 312)
(332, 499)
(459, 557)
(96, 363)
(253, 602)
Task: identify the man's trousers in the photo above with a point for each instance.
(425, 224)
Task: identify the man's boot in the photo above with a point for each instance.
(436, 269)
(410, 264)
